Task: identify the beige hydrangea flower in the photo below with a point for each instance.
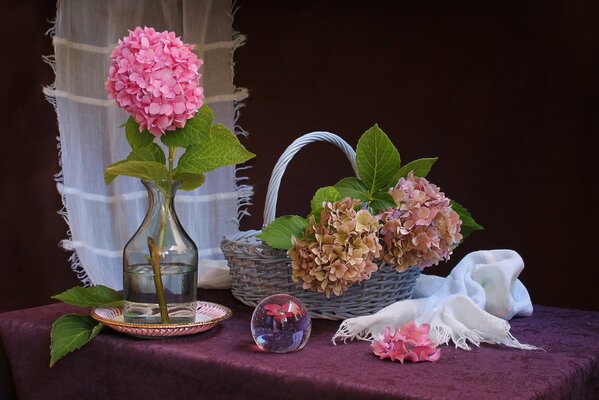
(337, 251)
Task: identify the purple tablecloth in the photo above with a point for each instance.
(224, 363)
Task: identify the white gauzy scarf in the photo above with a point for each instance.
(472, 304)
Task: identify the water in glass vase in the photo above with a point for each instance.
(179, 281)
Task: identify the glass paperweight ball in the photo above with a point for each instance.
(281, 324)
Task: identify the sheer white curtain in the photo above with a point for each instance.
(101, 218)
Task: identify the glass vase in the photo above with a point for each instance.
(160, 264)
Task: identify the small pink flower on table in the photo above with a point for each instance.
(410, 342)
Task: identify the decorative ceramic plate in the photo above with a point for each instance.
(207, 316)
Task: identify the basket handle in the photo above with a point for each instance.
(277, 173)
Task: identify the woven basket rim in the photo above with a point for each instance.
(257, 271)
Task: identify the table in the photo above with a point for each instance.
(224, 363)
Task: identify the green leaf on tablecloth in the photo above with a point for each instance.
(190, 181)
(220, 148)
(195, 130)
(352, 187)
(137, 139)
(421, 168)
(152, 152)
(469, 225)
(279, 232)
(377, 160)
(69, 333)
(139, 169)
(381, 201)
(91, 296)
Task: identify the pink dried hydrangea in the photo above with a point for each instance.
(336, 252)
(411, 343)
(423, 229)
(154, 77)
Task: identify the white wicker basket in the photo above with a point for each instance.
(258, 271)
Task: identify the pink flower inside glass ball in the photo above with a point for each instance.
(281, 323)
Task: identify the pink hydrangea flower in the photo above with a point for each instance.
(154, 77)
(410, 342)
(423, 229)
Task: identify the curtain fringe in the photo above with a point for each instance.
(76, 265)
(245, 192)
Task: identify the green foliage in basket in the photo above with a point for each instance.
(379, 168)
(469, 225)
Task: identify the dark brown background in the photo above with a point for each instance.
(505, 93)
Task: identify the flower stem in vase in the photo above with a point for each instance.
(155, 262)
(172, 150)
(155, 251)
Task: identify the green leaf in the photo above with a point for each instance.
(195, 130)
(108, 177)
(117, 303)
(222, 130)
(381, 201)
(152, 152)
(220, 150)
(468, 223)
(279, 232)
(352, 187)
(69, 333)
(91, 296)
(327, 193)
(421, 168)
(190, 181)
(137, 139)
(377, 160)
(138, 169)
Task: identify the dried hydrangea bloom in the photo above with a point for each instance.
(154, 77)
(423, 229)
(337, 251)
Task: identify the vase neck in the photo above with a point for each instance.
(161, 194)
(160, 224)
